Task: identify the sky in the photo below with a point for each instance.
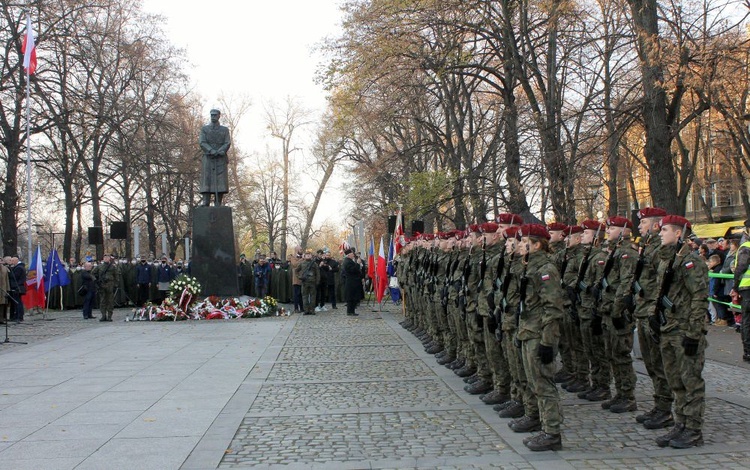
(259, 49)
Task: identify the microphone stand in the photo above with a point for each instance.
(7, 318)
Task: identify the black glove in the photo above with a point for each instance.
(690, 345)
(594, 291)
(596, 326)
(619, 323)
(546, 354)
(630, 303)
(654, 325)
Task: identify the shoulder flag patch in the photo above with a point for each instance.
(689, 265)
(545, 277)
(600, 262)
(625, 256)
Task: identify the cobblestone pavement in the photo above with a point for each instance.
(361, 393)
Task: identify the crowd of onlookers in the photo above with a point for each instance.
(719, 255)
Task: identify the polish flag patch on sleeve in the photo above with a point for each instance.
(545, 277)
(625, 256)
(689, 265)
(600, 262)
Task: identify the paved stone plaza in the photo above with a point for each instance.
(325, 391)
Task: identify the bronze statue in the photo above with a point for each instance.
(215, 142)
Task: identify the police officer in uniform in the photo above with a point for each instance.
(682, 331)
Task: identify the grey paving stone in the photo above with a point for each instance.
(349, 370)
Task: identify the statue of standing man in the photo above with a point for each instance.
(215, 142)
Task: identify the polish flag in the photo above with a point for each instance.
(34, 296)
(398, 234)
(29, 48)
(381, 276)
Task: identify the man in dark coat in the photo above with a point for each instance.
(17, 280)
(352, 274)
(143, 277)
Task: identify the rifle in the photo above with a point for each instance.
(635, 286)
(464, 290)
(522, 291)
(603, 284)
(564, 264)
(482, 265)
(662, 300)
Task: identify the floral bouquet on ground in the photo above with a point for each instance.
(184, 290)
(167, 311)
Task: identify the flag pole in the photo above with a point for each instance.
(28, 149)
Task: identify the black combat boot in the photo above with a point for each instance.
(516, 410)
(465, 371)
(561, 376)
(687, 438)
(446, 359)
(503, 405)
(544, 441)
(661, 419)
(608, 403)
(434, 349)
(643, 417)
(495, 397)
(624, 405)
(583, 393)
(526, 424)
(471, 379)
(457, 364)
(480, 386)
(577, 386)
(599, 394)
(441, 354)
(663, 441)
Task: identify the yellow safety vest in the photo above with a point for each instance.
(745, 281)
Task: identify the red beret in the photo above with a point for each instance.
(618, 221)
(428, 236)
(534, 230)
(509, 219)
(556, 226)
(647, 212)
(476, 228)
(489, 227)
(590, 224)
(675, 220)
(571, 229)
(512, 232)
(443, 235)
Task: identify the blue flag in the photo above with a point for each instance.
(54, 272)
(395, 293)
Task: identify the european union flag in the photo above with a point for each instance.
(54, 272)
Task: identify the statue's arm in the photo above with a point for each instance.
(225, 145)
(205, 146)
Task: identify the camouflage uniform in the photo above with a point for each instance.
(473, 320)
(493, 350)
(540, 325)
(520, 390)
(619, 341)
(107, 279)
(688, 292)
(566, 354)
(570, 326)
(645, 307)
(592, 335)
(455, 316)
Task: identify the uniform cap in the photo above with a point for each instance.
(647, 212)
(571, 229)
(675, 220)
(556, 226)
(534, 230)
(617, 221)
(507, 218)
(476, 228)
(591, 224)
(489, 227)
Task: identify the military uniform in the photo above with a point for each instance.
(107, 280)
(683, 341)
(557, 257)
(539, 334)
(618, 328)
(592, 335)
(455, 315)
(661, 414)
(579, 366)
(473, 321)
(308, 273)
(507, 300)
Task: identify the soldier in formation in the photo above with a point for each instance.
(499, 302)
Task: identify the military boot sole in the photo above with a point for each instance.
(599, 396)
(582, 394)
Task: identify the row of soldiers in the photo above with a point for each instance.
(499, 302)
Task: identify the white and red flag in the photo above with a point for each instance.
(381, 276)
(398, 234)
(29, 48)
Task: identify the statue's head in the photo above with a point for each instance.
(215, 116)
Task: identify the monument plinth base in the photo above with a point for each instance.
(214, 263)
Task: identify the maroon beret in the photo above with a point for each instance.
(647, 212)
(534, 230)
(675, 220)
(489, 227)
(443, 235)
(617, 221)
(591, 224)
(571, 229)
(512, 232)
(556, 226)
(509, 219)
(476, 228)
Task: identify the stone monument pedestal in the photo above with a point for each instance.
(214, 261)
